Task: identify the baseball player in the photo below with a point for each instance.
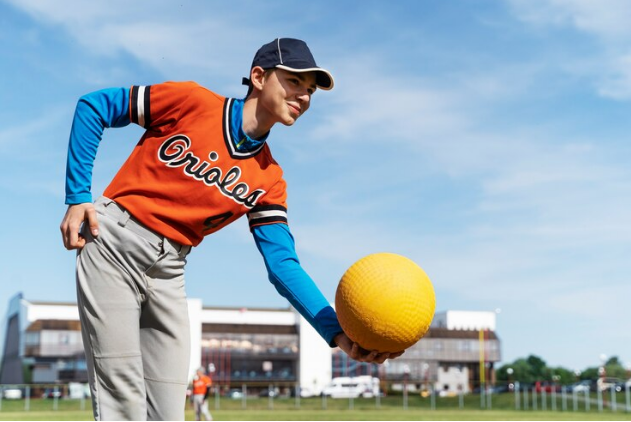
(203, 162)
(201, 390)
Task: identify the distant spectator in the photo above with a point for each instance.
(201, 390)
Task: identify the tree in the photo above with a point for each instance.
(533, 368)
(562, 375)
(590, 373)
(614, 368)
(528, 370)
(538, 367)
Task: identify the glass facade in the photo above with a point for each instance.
(269, 354)
(260, 353)
(441, 350)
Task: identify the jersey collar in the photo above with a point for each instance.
(240, 145)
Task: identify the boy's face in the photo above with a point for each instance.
(287, 95)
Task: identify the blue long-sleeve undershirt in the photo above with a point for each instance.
(109, 108)
(276, 244)
(95, 112)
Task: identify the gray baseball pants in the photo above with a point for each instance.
(200, 404)
(134, 319)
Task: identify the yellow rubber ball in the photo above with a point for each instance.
(385, 302)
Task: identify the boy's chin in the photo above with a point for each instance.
(289, 122)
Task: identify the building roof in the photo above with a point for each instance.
(54, 324)
(460, 334)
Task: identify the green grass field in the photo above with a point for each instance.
(390, 409)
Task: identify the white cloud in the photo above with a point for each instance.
(173, 40)
(607, 21)
(617, 83)
(73, 12)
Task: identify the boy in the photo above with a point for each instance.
(202, 163)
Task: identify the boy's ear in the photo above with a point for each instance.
(257, 77)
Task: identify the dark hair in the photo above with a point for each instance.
(248, 82)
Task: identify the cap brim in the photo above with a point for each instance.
(324, 79)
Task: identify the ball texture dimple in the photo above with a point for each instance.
(385, 302)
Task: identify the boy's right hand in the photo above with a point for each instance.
(355, 352)
(71, 224)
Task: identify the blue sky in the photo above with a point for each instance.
(486, 140)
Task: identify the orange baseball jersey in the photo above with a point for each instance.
(186, 178)
(201, 384)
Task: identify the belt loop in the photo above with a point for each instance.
(122, 221)
(184, 250)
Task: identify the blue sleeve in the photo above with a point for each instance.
(94, 112)
(276, 244)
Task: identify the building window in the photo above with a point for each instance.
(31, 338)
(464, 345)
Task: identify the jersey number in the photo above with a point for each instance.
(216, 220)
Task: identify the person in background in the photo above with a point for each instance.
(201, 391)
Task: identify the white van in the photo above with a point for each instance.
(352, 387)
(78, 390)
(12, 394)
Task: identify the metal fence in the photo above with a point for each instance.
(54, 394)
(33, 397)
(565, 398)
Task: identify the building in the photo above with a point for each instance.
(41, 343)
(447, 359)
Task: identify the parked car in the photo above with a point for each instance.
(581, 386)
(347, 387)
(77, 390)
(269, 393)
(487, 390)
(12, 394)
(619, 387)
(502, 388)
(547, 386)
(605, 384)
(521, 386)
(51, 393)
(235, 394)
(304, 392)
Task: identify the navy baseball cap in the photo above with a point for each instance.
(293, 55)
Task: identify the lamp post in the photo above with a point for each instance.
(426, 375)
(513, 387)
(599, 388)
(575, 391)
(555, 382)
(627, 387)
(509, 372)
(406, 375)
(602, 371)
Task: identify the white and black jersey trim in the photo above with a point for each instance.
(267, 214)
(139, 103)
(230, 141)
